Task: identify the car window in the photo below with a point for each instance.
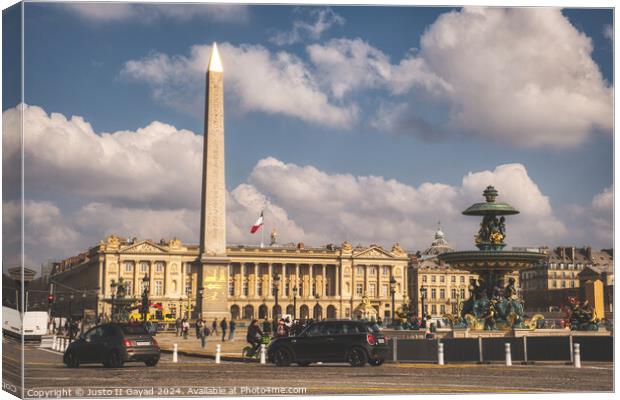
(351, 328)
(109, 330)
(331, 329)
(314, 330)
(93, 334)
(133, 329)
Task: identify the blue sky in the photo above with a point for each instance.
(407, 110)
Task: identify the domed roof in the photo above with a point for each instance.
(439, 246)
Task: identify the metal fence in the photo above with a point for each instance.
(483, 350)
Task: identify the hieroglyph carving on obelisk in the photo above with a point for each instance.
(213, 260)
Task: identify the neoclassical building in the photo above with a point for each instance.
(330, 281)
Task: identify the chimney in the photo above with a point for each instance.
(562, 252)
(572, 253)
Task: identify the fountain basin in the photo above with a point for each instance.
(477, 261)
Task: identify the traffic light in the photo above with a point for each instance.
(50, 299)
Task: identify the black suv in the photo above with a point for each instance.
(355, 342)
(113, 345)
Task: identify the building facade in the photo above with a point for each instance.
(547, 284)
(330, 281)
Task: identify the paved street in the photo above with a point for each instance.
(45, 373)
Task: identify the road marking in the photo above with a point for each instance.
(423, 389)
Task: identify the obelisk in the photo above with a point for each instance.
(213, 273)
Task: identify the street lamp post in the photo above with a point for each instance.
(392, 292)
(83, 311)
(113, 285)
(200, 293)
(295, 302)
(276, 287)
(423, 297)
(70, 318)
(145, 296)
(318, 297)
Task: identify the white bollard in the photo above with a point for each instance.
(175, 356)
(508, 355)
(262, 354)
(66, 345)
(218, 350)
(62, 345)
(54, 345)
(440, 353)
(577, 355)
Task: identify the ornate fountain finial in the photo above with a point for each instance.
(490, 193)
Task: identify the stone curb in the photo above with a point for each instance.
(204, 355)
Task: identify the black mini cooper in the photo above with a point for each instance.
(113, 344)
(355, 342)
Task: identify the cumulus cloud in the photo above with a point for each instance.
(521, 75)
(83, 185)
(149, 13)
(608, 32)
(257, 80)
(320, 20)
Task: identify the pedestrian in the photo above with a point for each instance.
(199, 324)
(281, 330)
(185, 328)
(204, 332)
(232, 326)
(214, 327)
(178, 324)
(266, 327)
(224, 327)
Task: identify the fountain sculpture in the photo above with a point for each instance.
(494, 302)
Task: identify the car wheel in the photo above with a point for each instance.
(71, 360)
(114, 360)
(376, 362)
(356, 357)
(152, 362)
(303, 364)
(282, 357)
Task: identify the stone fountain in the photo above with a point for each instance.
(494, 302)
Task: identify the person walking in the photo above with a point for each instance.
(224, 327)
(185, 328)
(214, 327)
(199, 325)
(178, 324)
(204, 332)
(232, 326)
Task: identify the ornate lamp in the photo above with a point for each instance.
(276, 286)
(295, 301)
(392, 292)
(423, 297)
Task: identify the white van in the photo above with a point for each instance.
(33, 324)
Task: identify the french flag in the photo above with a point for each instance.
(257, 224)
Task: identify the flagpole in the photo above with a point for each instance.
(262, 228)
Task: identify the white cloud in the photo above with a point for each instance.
(521, 75)
(147, 184)
(257, 80)
(322, 20)
(148, 13)
(608, 32)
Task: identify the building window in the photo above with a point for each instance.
(442, 293)
(433, 279)
(159, 266)
(231, 287)
(128, 266)
(555, 284)
(572, 283)
(424, 279)
(326, 287)
(454, 310)
(384, 290)
(372, 271)
(144, 267)
(188, 286)
(259, 286)
(141, 284)
(372, 290)
(159, 287)
(442, 309)
(386, 271)
(244, 286)
(563, 284)
(433, 309)
(442, 279)
(359, 289)
(433, 293)
(453, 293)
(287, 287)
(313, 287)
(462, 279)
(360, 271)
(462, 293)
(453, 279)
(129, 287)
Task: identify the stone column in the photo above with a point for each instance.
(310, 280)
(337, 289)
(242, 280)
(324, 281)
(270, 281)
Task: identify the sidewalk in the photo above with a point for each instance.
(230, 351)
